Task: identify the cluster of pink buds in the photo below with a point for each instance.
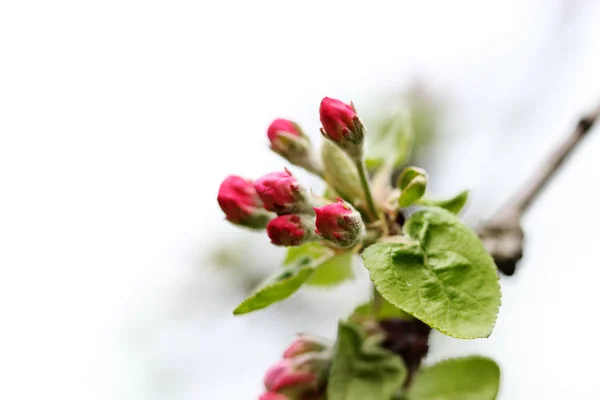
(280, 204)
(300, 374)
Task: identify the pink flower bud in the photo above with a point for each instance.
(241, 204)
(290, 230)
(282, 126)
(281, 193)
(303, 344)
(284, 375)
(341, 125)
(273, 396)
(339, 223)
(288, 140)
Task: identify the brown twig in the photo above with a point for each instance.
(502, 234)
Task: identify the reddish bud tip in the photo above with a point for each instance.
(280, 192)
(240, 203)
(339, 223)
(284, 375)
(288, 230)
(273, 396)
(280, 126)
(341, 124)
(303, 344)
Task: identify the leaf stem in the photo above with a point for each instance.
(364, 181)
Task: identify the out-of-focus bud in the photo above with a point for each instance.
(282, 127)
(286, 375)
(273, 396)
(291, 229)
(340, 173)
(342, 126)
(241, 204)
(288, 140)
(413, 184)
(281, 193)
(304, 344)
(339, 223)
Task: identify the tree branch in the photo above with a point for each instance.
(502, 234)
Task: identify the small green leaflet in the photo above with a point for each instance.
(454, 205)
(440, 273)
(333, 271)
(275, 289)
(311, 263)
(331, 268)
(469, 378)
(362, 370)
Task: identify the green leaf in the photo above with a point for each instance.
(454, 205)
(333, 271)
(469, 378)
(306, 254)
(440, 273)
(331, 268)
(312, 263)
(276, 288)
(386, 311)
(413, 191)
(361, 370)
(412, 182)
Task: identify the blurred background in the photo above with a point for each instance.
(119, 119)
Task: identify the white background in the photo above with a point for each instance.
(119, 119)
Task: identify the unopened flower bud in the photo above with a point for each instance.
(290, 229)
(241, 204)
(282, 128)
(273, 396)
(342, 126)
(303, 344)
(281, 193)
(286, 375)
(339, 223)
(288, 140)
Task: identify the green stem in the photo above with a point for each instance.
(364, 181)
